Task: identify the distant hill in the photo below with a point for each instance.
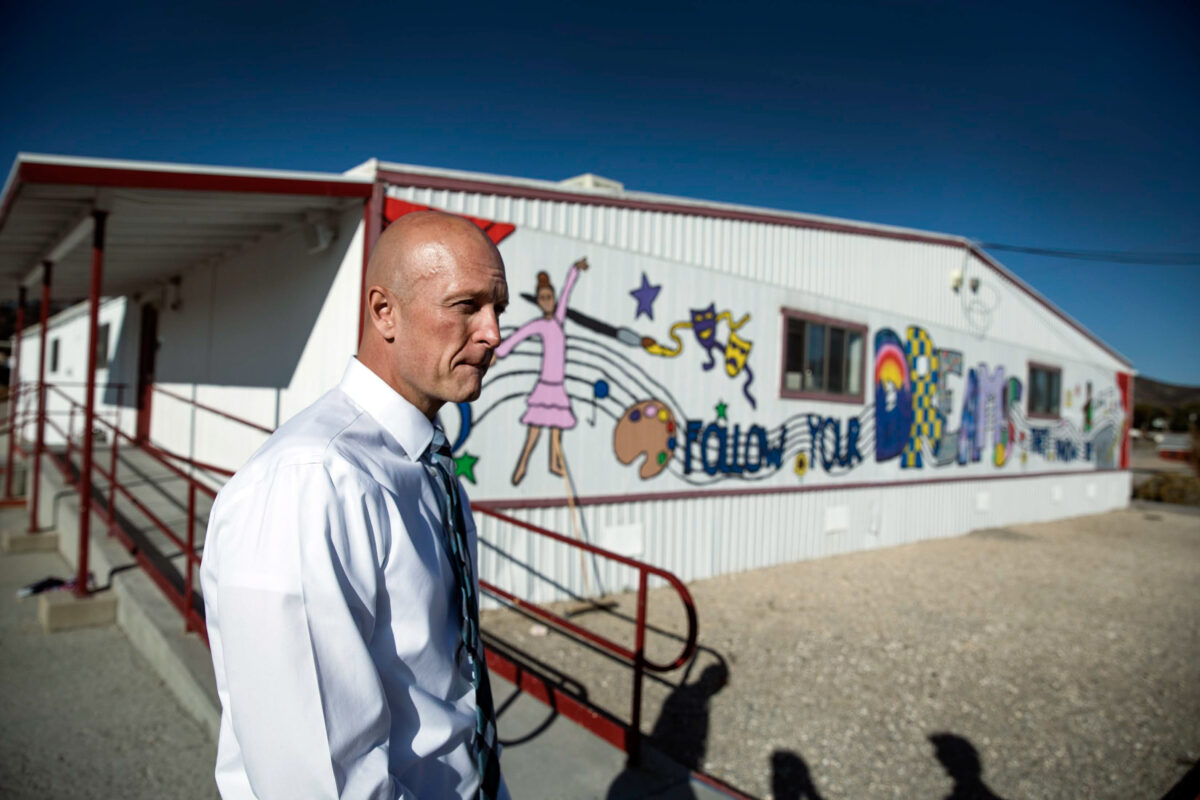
(1147, 391)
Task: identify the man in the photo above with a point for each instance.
(343, 623)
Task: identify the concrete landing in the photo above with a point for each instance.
(21, 542)
(63, 611)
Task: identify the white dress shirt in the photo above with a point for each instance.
(330, 609)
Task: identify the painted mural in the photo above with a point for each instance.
(601, 356)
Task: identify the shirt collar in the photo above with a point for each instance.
(397, 416)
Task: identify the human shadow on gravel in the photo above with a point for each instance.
(790, 778)
(961, 761)
(681, 730)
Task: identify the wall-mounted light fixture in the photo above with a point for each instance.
(956, 279)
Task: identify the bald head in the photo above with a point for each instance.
(418, 245)
(434, 290)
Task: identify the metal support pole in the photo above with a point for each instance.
(14, 395)
(190, 555)
(372, 228)
(89, 409)
(112, 462)
(39, 444)
(633, 744)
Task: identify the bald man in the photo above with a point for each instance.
(336, 605)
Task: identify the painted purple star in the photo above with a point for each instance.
(645, 298)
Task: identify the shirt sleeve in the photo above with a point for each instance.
(295, 602)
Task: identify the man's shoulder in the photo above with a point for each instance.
(307, 439)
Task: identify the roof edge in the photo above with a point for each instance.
(185, 169)
(427, 177)
(1049, 305)
(438, 178)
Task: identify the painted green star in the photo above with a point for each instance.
(464, 466)
(721, 410)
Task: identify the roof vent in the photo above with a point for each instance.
(589, 180)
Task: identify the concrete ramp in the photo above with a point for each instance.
(544, 754)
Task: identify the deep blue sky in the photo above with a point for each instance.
(1069, 125)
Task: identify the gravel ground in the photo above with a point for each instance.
(1058, 660)
(83, 715)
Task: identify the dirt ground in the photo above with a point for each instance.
(1040, 661)
(82, 714)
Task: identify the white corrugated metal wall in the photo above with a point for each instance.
(873, 280)
(885, 282)
(698, 538)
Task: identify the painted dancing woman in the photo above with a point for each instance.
(548, 405)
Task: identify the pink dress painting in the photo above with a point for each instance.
(548, 405)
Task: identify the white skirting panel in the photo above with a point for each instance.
(698, 538)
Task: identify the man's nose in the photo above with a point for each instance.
(489, 329)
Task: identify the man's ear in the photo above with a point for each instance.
(381, 308)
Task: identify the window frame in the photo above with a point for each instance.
(103, 334)
(54, 352)
(824, 396)
(1047, 368)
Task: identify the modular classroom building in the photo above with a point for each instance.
(746, 387)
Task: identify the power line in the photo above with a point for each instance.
(1113, 256)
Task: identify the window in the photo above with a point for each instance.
(1045, 387)
(822, 358)
(54, 355)
(102, 347)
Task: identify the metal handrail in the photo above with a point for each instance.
(184, 602)
(212, 410)
(629, 737)
(635, 657)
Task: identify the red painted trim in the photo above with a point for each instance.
(496, 231)
(720, 786)
(1125, 385)
(825, 397)
(14, 394)
(39, 443)
(485, 187)
(89, 403)
(610, 499)
(125, 178)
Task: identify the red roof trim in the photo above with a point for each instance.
(533, 193)
(35, 172)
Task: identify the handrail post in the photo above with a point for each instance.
(189, 555)
(633, 745)
(112, 463)
(14, 394)
(39, 442)
(89, 413)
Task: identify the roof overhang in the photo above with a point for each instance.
(162, 218)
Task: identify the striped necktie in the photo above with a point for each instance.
(440, 466)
